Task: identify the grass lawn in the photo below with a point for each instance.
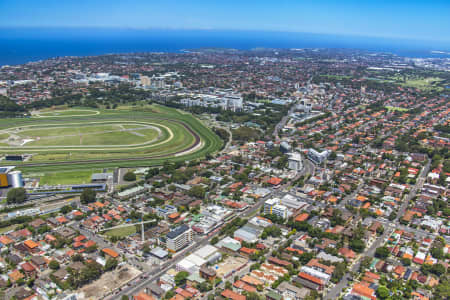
(110, 134)
(56, 141)
(423, 83)
(7, 228)
(68, 177)
(393, 108)
(122, 232)
(119, 137)
(68, 113)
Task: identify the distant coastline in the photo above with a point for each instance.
(21, 45)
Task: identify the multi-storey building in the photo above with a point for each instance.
(179, 238)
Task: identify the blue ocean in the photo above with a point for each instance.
(22, 45)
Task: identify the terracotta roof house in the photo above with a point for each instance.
(347, 253)
(23, 233)
(15, 275)
(79, 238)
(31, 246)
(5, 240)
(251, 280)
(110, 252)
(274, 181)
(29, 269)
(302, 217)
(310, 281)
(229, 294)
(89, 243)
(364, 291)
(37, 223)
(278, 261)
(244, 286)
(143, 296)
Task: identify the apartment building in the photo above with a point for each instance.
(179, 238)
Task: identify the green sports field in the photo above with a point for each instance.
(121, 232)
(78, 138)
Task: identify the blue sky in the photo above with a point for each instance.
(413, 19)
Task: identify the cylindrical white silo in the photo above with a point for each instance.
(15, 179)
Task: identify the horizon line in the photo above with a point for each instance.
(68, 27)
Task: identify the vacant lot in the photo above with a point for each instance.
(109, 281)
(230, 264)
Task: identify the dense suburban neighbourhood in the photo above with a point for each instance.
(292, 174)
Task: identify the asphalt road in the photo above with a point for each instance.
(283, 121)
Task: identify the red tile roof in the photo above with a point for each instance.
(110, 252)
(310, 278)
(232, 295)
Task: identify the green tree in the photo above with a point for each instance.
(382, 292)
(129, 176)
(252, 296)
(66, 209)
(110, 264)
(437, 252)
(88, 196)
(204, 287)
(169, 294)
(438, 269)
(54, 265)
(442, 290)
(380, 229)
(197, 191)
(214, 240)
(382, 252)
(339, 272)
(16, 195)
(180, 278)
(357, 245)
(406, 261)
(365, 263)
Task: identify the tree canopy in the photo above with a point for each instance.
(16, 195)
(129, 176)
(88, 196)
